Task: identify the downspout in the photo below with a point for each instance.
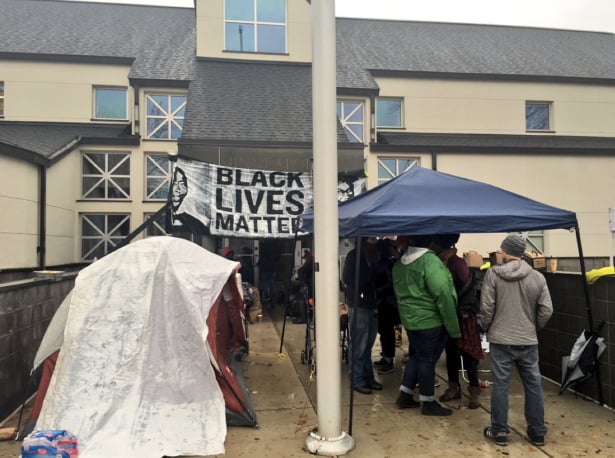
(42, 223)
(434, 161)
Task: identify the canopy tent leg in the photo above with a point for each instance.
(588, 308)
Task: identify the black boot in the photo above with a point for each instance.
(406, 401)
(433, 409)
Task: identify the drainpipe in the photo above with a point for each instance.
(434, 161)
(42, 223)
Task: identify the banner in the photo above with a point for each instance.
(230, 201)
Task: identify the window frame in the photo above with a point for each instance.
(105, 236)
(415, 162)
(160, 226)
(401, 112)
(95, 90)
(255, 23)
(549, 107)
(343, 119)
(169, 116)
(105, 176)
(165, 176)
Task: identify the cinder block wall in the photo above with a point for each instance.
(26, 308)
(569, 319)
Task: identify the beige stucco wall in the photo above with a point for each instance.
(57, 92)
(499, 107)
(210, 33)
(19, 195)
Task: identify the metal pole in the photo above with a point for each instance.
(328, 438)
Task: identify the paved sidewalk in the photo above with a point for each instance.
(283, 396)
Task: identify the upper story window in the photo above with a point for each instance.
(390, 167)
(105, 176)
(1, 99)
(388, 112)
(350, 114)
(538, 116)
(255, 26)
(165, 116)
(110, 103)
(157, 176)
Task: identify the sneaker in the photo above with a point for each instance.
(499, 438)
(385, 368)
(433, 409)
(406, 401)
(362, 389)
(538, 441)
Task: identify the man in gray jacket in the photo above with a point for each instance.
(515, 303)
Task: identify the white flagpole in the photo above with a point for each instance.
(328, 438)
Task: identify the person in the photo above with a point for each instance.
(268, 264)
(388, 315)
(468, 347)
(247, 265)
(305, 276)
(426, 299)
(362, 315)
(515, 303)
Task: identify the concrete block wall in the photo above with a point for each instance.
(569, 319)
(26, 308)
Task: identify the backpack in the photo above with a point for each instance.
(468, 298)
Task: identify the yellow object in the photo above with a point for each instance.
(486, 265)
(593, 275)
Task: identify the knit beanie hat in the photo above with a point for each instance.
(514, 245)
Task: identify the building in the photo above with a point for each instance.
(94, 98)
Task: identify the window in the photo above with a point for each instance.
(350, 115)
(157, 176)
(390, 167)
(105, 175)
(537, 115)
(255, 26)
(100, 233)
(536, 241)
(388, 112)
(1, 99)
(109, 103)
(157, 227)
(165, 116)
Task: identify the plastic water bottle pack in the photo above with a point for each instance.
(54, 443)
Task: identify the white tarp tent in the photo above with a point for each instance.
(134, 377)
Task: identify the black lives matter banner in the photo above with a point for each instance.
(237, 202)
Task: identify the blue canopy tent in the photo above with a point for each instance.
(422, 201)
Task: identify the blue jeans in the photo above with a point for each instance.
(525, 357)
(426, 346)
(267, 284)
(363, 329)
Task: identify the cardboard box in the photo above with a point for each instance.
(536, 260)
(473, 259)
(495, 258)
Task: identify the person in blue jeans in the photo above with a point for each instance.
(427, 307)
(515, 303)
(363, 323)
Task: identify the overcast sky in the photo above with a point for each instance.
(598, 15)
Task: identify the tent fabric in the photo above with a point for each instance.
(134, 376)
(423, 201)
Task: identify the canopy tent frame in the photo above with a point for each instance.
(422, 201)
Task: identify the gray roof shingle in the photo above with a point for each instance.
(46, 140)
(250, 102)
(161, 40)
(428, 47)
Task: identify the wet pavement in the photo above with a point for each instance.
(283, 391)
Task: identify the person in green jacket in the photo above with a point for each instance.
(427, 307)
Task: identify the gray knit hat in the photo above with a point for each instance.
(514, 245)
